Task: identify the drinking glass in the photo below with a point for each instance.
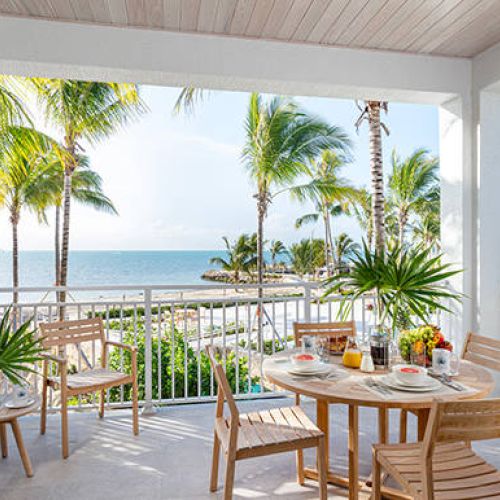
(440, 361)
(322, 349)
(308, 343)
(454, 364)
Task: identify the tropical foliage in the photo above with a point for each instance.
(409, 281)
(280, 138)
(19, 349)
(241, 256)
(328, 192)
(307, 256)
(82, 111)
(413, 190)
(171, 366)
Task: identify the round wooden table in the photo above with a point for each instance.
(348, 386)
(10, 416)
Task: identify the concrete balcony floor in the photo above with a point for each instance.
(170, 459)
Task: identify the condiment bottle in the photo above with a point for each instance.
(367, 361)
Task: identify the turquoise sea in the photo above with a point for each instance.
(172, 267)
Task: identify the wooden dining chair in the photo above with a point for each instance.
(63, 333)
(478, 349)
(442, 466)
(482, 350)
(333, 331)
(258, 434)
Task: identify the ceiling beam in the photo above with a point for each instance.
(35, 47)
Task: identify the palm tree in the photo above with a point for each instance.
(412, 187)
(89, 111)
(276, 248)
(240, 256)
(307, 256)
(371, 113)
(280, 139)
(361, 207)
(328, 191)
(344, 248)
(26, 181)
(86, 189)
(12, 111)
(188, 98)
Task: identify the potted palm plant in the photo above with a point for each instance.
(408, 285)
(19, 350)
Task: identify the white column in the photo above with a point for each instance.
(458, 226)
(489, 214)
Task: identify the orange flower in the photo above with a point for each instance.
(418, 347)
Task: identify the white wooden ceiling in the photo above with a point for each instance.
(445, 27)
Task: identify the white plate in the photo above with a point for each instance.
(16, 405)
(393, 383)
(320, 370)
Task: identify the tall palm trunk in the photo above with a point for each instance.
(329, 260)
(57, 245)
(377, 174)
(261, 214)
(14, 220)
(68, 172)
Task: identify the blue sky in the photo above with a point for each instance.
(178, 182)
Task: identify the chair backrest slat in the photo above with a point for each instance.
(332, 330)
(466, 421)
(61, 333)
(220, 377)
(481, 350)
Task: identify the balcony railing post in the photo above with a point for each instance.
(307, 302)
(148, 408)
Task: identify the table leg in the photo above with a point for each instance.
(3, 440)
(383, 425)
(323, 423)
(423, 417)
(20, 446)
(353, 452)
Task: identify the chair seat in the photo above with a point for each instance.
(92, 379)
(458, 472)
(270, 431)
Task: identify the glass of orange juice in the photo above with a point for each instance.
(352, 354)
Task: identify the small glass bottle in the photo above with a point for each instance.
(367, 360)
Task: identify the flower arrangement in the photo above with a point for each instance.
(423, 340)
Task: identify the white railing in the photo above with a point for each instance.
(163, 320)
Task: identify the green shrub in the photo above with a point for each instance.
(174, 354)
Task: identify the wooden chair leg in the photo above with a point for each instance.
(322, 469)
(403, 425)
(64, 427)
(20, 446)
(135, 407)
(102, 400)
(376, 473)
(3, 440)
(229, 480)
(214, 472)
(300, 467)
(43, 409)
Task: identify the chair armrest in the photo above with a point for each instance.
(52, 357)
(120, 345)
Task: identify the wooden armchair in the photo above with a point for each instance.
(443, 466)
(258, 434)
(63, 333)
(333, 330)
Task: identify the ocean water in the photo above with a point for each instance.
(172, 267)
